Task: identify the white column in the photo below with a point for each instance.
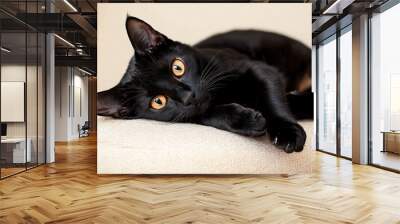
(50, 92)
(50, 98)
(360, 90)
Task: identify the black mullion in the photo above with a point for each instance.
(369, 91)
(316, 96)
(45, 87)
(45, 94)
(0, 94)
(37, 90)
(338, 95)
(26, 87)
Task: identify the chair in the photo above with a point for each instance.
(84, 130)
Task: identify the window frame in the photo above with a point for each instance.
(334, 37)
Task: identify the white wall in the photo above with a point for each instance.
(17, 72)
(13, 101)
(71, 102)
(80, 110)
(62, 83)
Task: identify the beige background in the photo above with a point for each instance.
(189, 23)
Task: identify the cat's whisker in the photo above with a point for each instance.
(212, 64)
(208, 64)
(178, 118)
(217, 82)
(209, 76)
(205, 74)
(212, 69)
(221, 76)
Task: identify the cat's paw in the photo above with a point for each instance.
(288, 136)
(249, 122)
(124, 113)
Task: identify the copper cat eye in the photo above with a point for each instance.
(158, 102)
(178, 67)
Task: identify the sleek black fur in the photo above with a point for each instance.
(236, 81)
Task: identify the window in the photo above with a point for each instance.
(327, 96)
(346, 92)
(334, 106)
(385, 89)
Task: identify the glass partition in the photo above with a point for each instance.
(346, 92)
(31, 99)
(385, 89)
(41, 97)
(13, 95)
(334, 97)
(327, 95)
(22, 77)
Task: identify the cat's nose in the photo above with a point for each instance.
(189, 99)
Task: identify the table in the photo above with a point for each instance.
(391, 141)
(19, 155)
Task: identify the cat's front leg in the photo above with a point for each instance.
(235, 118)
(282, 127)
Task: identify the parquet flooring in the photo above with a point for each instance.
(70, 191)
(10, 171)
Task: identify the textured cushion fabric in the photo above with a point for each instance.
(152, 147)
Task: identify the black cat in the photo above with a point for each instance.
(236, 81)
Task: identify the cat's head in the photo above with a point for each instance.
(165, 80)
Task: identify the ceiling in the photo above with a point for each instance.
(75, 22)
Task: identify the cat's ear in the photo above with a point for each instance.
(142, 36)
(109, 104)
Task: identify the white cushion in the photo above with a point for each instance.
(152, 147)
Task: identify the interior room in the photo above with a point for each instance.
(49, 163)
(384, 90)
(22, 100)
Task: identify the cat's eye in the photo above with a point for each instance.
(178, 67)
(158, 102)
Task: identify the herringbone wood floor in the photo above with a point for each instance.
(69, 191)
